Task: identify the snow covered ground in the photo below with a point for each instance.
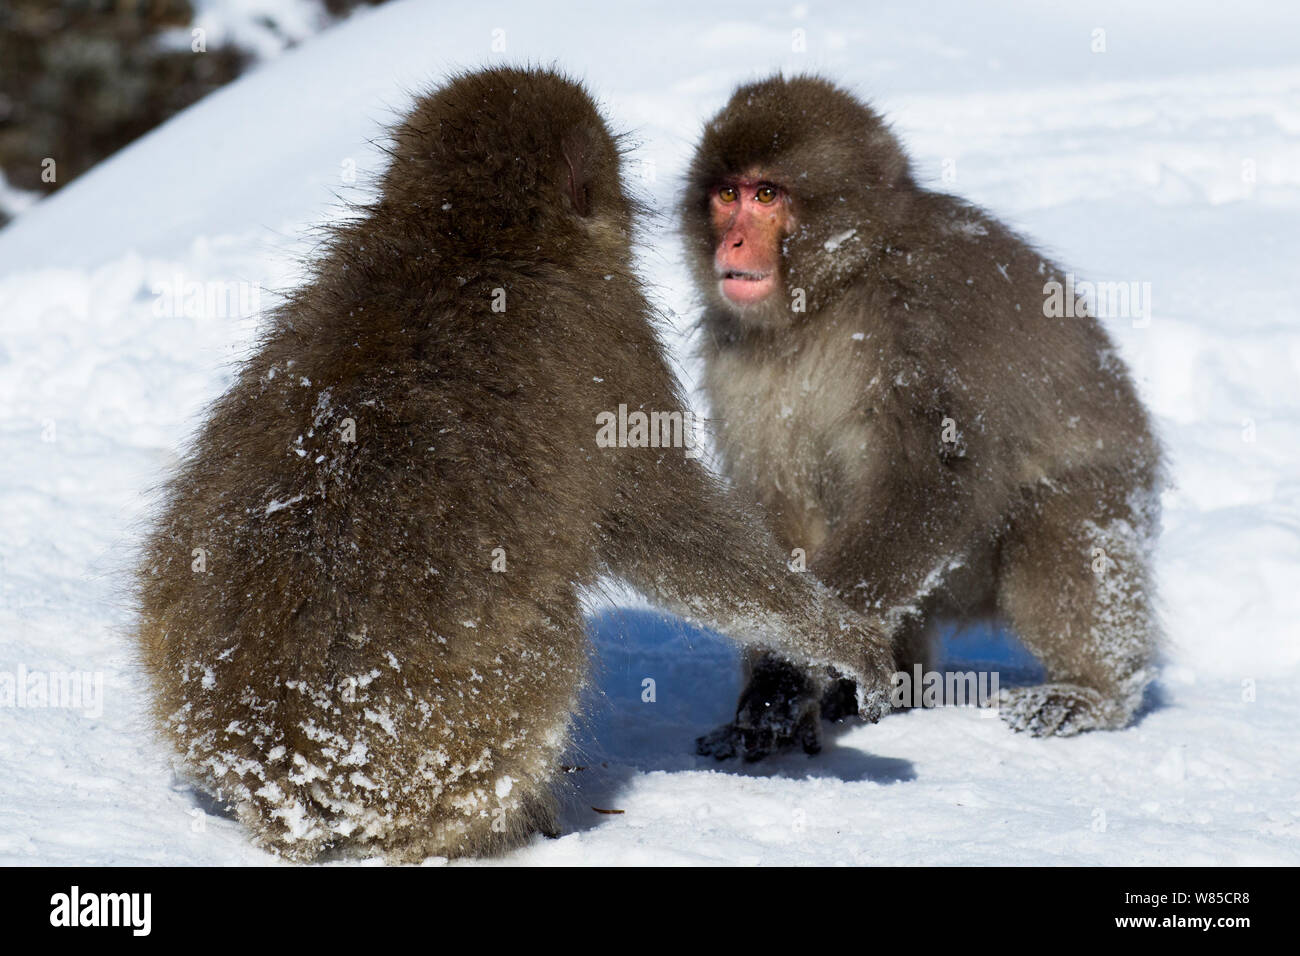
(1171, 158)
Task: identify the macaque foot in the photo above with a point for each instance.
(751, 744)
(1054, 710)
(760, 737)
(840, 698)
(779, 709)
(782, 709)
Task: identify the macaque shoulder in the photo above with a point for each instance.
(955, 264)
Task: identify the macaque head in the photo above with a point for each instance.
(795, 184)
(509, 163)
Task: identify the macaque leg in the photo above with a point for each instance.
(781, 719)
(514, 719)
(521, 709)
(915, 643)
(1075, 585)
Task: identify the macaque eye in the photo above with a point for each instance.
(728, 194)
(765, 194)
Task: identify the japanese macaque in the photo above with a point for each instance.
(893, 381)
(360, 611)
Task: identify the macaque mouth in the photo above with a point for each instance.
(745, 287)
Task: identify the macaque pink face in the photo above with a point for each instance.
(751, 216)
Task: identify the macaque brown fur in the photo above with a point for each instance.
(360, 609)
(906, 412)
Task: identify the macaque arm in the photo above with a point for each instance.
(705, 558)
(912, 511)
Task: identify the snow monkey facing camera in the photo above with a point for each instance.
(889, 386)
(360, 612)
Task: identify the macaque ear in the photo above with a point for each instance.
(576, 175)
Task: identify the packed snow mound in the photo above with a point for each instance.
(1172, 158)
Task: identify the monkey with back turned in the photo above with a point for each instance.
(889, 386)
(359, 610)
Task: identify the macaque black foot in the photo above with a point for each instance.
(840, 699)
(780, 709)
(722, 742)
(1053, 710)
(753, 743)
